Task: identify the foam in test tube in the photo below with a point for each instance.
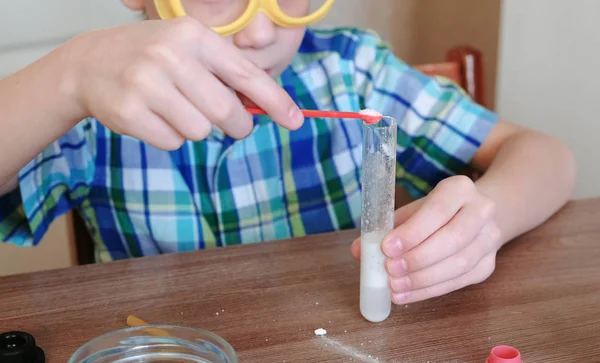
(377, 219)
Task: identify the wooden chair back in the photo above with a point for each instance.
(464, 66)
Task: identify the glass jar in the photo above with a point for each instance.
(156, 343)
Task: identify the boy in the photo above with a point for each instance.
(150, 173)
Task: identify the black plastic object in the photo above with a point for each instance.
(20, 347)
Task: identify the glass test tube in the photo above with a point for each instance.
(378, 195)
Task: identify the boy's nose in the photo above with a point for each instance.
(260, 33)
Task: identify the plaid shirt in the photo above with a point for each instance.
(138, 200)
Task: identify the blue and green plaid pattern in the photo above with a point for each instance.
(138, 200)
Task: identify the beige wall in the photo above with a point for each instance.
(420, 31)
(55, 251)
(550, 51)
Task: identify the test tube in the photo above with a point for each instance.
(377, 219)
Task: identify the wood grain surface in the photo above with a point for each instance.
(543, 298)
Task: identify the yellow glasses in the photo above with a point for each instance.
(227, 17)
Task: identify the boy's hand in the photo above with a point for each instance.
(441, 243)
(166, 81)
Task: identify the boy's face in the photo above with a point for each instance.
(268, 45)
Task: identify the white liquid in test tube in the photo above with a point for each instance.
(375, 295)
(378, 189)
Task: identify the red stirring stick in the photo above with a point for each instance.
(368, 116)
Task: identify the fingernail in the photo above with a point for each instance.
(295, 115)
(393, 247)
(397, 266)
(400, 298)
(401, 284)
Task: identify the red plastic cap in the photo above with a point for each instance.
(504, 354)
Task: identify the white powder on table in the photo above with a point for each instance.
(320, 332)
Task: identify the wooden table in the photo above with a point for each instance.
(543, 298)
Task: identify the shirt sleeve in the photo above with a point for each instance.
(439, 127)
(57, 180)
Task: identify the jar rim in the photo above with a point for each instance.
(225, 346)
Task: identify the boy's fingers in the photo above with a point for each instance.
(171, 105)
(156, 131)
(452, 238)
(355, 249)
(245, 100)
(265, 93)
(445, 270)
(244, 76)
(400, 216)
(214, 100)
(437, 209)
(479, 273)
